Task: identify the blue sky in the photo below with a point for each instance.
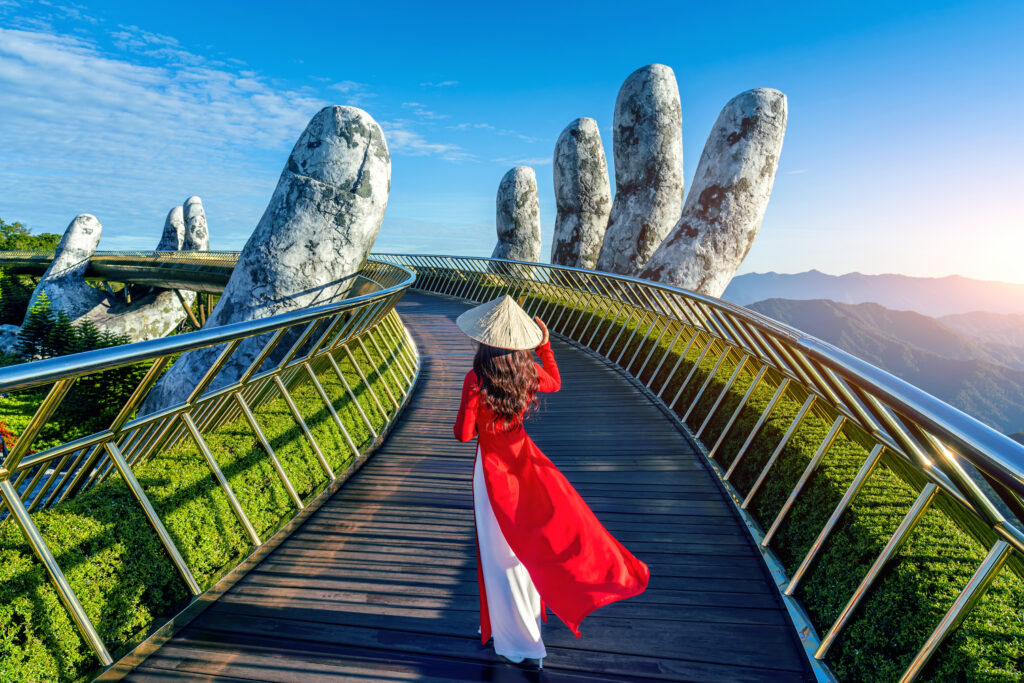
(903, 150)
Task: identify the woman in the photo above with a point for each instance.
(538, 544)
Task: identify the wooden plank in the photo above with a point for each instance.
(604, 663)
(292, 661)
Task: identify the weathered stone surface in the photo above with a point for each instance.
(583, 195)
(158, 313)
(64, 281)
(197, 236)
(9, 339)
(148, 317)
(518, 216)
(648, 150)
(174, 231)
(153, 315)
(314, 236)
(730, 193)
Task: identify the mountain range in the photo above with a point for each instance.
(941, 296)
(973, 362)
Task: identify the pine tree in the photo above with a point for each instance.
(14, 297)
(62, 337)
(87, 337)
(34, 333)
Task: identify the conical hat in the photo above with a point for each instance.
(501, 323)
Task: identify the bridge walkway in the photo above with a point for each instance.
(380, 583)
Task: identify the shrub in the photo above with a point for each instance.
(16, 290)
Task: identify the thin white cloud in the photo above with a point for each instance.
(527, 161)
(468, 126)
(439, 84)
(402, 139)
(142, 42)
(421, 111)
(504, 132)
(355, 93)
(41, 14)
(126, 133)
(88, 130)
(346, 86)
(797, 172)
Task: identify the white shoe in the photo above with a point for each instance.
(514, 660)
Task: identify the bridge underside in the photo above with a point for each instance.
(380, 583)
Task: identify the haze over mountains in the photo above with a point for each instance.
(928, 295)
(972, 362)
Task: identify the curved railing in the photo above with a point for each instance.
(199, 271)
(678, 345)
(363, 333)
(703, 360)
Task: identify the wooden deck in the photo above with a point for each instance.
(380, 583)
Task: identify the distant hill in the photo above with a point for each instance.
(930, 296)
(990, 327)
(983, 379)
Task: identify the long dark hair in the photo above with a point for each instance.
(508, 383)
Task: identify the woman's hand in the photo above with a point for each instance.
(543, 329)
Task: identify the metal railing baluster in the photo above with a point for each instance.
(389, 365)
(679, 360)
(895, 542)
(666, 323)
(153, 517)
(366, 383)
(712, 342)
(351, 395)
(211, 462)
(330, 408)
(265, 443)
(965, 601)
(380, 375)
(726, 388)
(793, 426)
(812, 465)
(743, 402)
(726, 353)
(301, 422)
(668, 350)
(53, 570)
(738, 457)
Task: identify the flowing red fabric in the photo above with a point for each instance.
(575, 563)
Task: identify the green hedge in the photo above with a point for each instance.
(902, 610)
(114, 560)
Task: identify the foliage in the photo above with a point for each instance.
(7, 435)
(15, 293)
(94, 400)
(46, 333)
(17, 237)
(114, 560)
(16, 290)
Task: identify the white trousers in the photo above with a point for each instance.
(512, 600)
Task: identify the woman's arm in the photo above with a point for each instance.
(547, 372)
(465, 421)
